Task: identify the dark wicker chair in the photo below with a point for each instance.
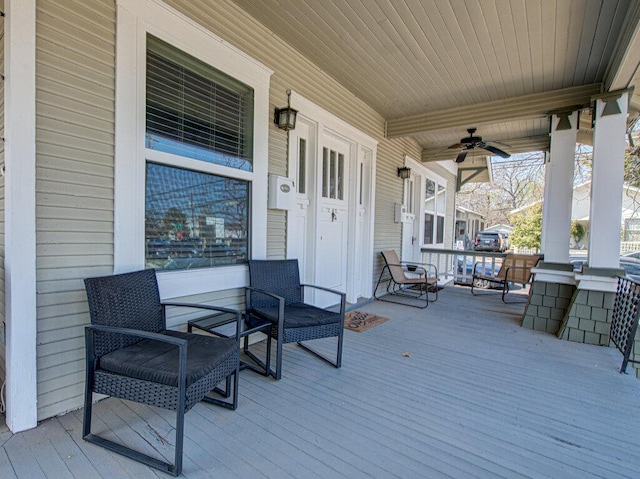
(131, 355)
(276, 294)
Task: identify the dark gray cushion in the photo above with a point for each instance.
(299, 315)
(158, 362)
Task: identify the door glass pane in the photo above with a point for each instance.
(410, 198)
(302, 166)
(332, 175)
(361, 181)
(340, 176)
(325, 173)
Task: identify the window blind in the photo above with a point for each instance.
(194, 110)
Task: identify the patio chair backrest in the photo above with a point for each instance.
(280, 277)
(522, 263)
(129, 300)
(393, 263)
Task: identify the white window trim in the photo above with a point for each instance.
(136, 18)
(426, 173)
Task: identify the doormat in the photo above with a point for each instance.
(360, 321)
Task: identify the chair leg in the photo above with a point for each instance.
(338, 361)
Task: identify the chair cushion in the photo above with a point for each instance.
(299, 315)
(158, 362)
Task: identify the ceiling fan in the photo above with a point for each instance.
(469, 143)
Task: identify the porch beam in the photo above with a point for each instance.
(526, 106)
(625, 61)
(515, 145)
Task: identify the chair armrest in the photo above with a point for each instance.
(343, 296)
(180, 343)
(210, 307)
(477, 274)
(334, 291)
(138, 333)
(249, 290)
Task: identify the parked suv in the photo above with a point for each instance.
(490, 241)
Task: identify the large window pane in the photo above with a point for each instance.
(428, 228)
(430, 195)
(440, 230)
(193, 219)
(196, 111)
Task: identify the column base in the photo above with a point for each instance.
(547, 306)
(588, 318)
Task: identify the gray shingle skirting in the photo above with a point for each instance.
(573, 314)
(547, 306)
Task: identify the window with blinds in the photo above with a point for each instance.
(196, 111)
(193, 217)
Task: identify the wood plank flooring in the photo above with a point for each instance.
(457, 390)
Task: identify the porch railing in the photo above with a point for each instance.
(457, 265)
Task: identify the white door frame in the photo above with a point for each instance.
(362, 152)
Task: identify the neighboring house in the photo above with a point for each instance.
(155, 145)
(581, 208)
(468, 223)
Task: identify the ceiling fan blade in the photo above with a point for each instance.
(495, 151)
(455, 146)
(461, 156)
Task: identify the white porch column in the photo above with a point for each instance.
(20, 211)
(607, 179)
(558, 188)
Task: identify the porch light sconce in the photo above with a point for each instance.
(285, 118)
(404, 172)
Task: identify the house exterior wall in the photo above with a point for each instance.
(75, 78)
(75, 71)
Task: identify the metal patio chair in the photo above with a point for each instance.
(422, 279)
(276, 294)
(131, 355)
(515, 269)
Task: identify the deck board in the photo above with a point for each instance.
(476, 396)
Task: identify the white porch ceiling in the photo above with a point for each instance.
(444, 66)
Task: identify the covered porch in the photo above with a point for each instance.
(456, 390)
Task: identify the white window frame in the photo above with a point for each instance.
(425, 174)
(136, 19)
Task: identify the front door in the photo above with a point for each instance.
(411, 222)
(333, 217)
(330, 227)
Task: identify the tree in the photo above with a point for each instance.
(527, 231)
(175, 220)
(517, 182)
(577, 231)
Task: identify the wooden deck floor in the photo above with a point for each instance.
(475, 395)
